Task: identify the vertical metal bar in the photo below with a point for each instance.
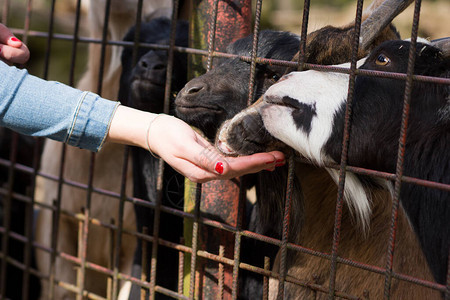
(233, 21)
(82, 244)
(194, 243)
(103, 46)
(266, 278)
(161, 166)
(221, 276)
(212, 35)
(29, 223)
(5, 12)
(6, 203)
(144, 263)
(111, 259)
(303, 35)
(120, 223)
(75, 43)
(7, 214)
(447, 290)
(181, 269)
(401, 149)
(81, 253)
(254, 54)
(29, 206)
(286, 222)
(57, 202)
(237, 241)
(170, 56)
(49, 40)
(345, 143)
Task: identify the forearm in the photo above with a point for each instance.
(129, 126)
(32, 106)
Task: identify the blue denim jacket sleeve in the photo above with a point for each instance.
(32, 106)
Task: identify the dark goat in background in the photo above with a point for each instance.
(142, 86)
(210, 99)
(292, 111)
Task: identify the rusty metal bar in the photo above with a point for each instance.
(50, 39)
(286, 223)
(401, 149)
(27, 21)
(266, 278)
(344, 153)
(303, 36)
(57, 202)
(237, 243)
(82, 248)
(259, 60)
(28, 229)
(5, 12)
(221, 276)
(212, 35)
(180, 268)
(115, 289)
(254, 53)
(194, 242)
(161, 166)
(29, 223)
(7, 214)
(232, 22)
(144, 263)
(112, 243)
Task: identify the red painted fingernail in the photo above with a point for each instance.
(14, 39)
(270, 162)
(219, 167)
(280, 163)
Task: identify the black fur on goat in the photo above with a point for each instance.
(377, 112)
(305, 110)
(143, 86)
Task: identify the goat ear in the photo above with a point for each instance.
(442, 44)
(383, 14)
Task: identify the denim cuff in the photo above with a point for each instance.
(91, 121)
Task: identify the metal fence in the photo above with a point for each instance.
(214, 227)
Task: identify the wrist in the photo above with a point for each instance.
(148, 136)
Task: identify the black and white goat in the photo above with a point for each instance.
(220, 93)
(305, 110)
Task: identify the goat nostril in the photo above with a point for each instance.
(194, 89)
(144, 64)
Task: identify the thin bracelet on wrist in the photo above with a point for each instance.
(148, 133)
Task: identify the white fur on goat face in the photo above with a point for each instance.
(300, 109)
(307, 124)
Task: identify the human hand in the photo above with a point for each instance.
(12, 50)
(193, 156)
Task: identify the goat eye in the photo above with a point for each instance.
(382, 60)
(275, 77)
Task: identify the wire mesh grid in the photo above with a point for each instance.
(218, 270)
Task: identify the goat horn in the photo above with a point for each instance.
(379, 19)
(443, 44)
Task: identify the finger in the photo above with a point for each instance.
(14, 55)
(191, 171)
(253, 163)
(8, 38)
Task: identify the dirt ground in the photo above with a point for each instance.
(434, 19)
